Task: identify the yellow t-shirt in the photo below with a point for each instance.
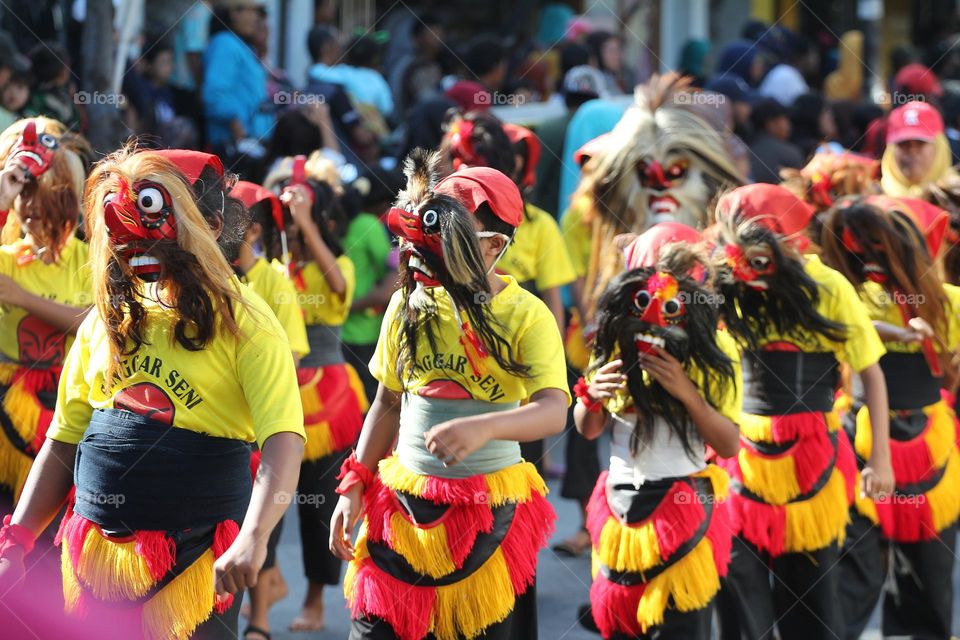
(278, 292)
(839, 302)
(577, 236)
(538, 253)
(28, 339)
(237, 387)
(883, 307)
(528, 326)
(729, 404)
(319, 304)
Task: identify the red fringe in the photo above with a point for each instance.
(847, 464)
(75, 532)
(911, 459)
(720, 534)
(764, 525)
(615, 607)
(463, 523)
(379, 505)
(223, 536)
(676, 518)
(529, 532)
(406, 608)
(158, 550)
(254, 463)
(795, 426)
(467, 491)
(341, 408)
(597, 509)
(906, 521)
(811, 455)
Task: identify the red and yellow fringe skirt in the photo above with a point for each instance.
(25, 419)
(457, 569)
(139, 581)
(794, 480)
(333, 406)
(674, 557)
(926, 468)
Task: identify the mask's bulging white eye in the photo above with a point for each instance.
(110, 197)
(48, 141)
(430, 218)
(672, 307)
(150, 200)
(641, 299)
(760, 263)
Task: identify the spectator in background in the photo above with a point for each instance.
(418, 73)
(151, 96)
(846, 83)
(741, 58)
(900, 56)
(368, 245)
(52, 94)
(741, 98)
(812, 125)
(358, 74)
(785, 81)
(693, 60)
(301, 131)
(485, 60)
(592, 119)
(189, 41)
(606, 51)
(235, 100)
(580, 84)
(770, 149)
(917, 153)
(916, 82)
(951, 118)
(14, 97)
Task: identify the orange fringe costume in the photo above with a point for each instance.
(674, 557)
(25, 417)
(450, 559)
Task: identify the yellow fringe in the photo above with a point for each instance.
(360, 553)
(718, 478)
(14, 467)
(817, 522)
(319, 442)
(626, 548)
(424, 548)
(940, 435)
(690, 584)
(356, 385)
(512, 484)
(177, 609)
(24, 411)
(945, 497)
(843, 403)
(773, 479)
(71, 588)
(7, 371)
(865, 505)
(466, 608)
(113, 571)
(756, 428)
(309, 396)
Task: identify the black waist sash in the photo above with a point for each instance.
(778, 383)
(133, 473)
(910, 385)
(325, 348)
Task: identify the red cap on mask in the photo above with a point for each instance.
(192, 163)
(519, 134)
(644, 251)
(475, 185)
(251, 194)
(932, 221)
(771, 206)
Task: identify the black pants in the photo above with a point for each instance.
(358, 355)
(224, 626)
(677, 625)
(801, 602)
(532, 452)
(272, 543)
(316, 499)
(915, 579)
(521, 624)
(583, 456)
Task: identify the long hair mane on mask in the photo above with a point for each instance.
(685, 327)
(194, 278)
(666, 159)
(787, 303)
(867, 242)
(49, 206)
(439, 248)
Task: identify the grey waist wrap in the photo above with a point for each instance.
(325, 348)
(419, 414)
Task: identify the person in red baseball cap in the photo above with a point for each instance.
(438, 461)
(796, 321)
(918, 152)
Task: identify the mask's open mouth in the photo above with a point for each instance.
(874, 272)
(30, 155)
(421, 271)
(663, 207)
(143, 264)
(645, 342)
